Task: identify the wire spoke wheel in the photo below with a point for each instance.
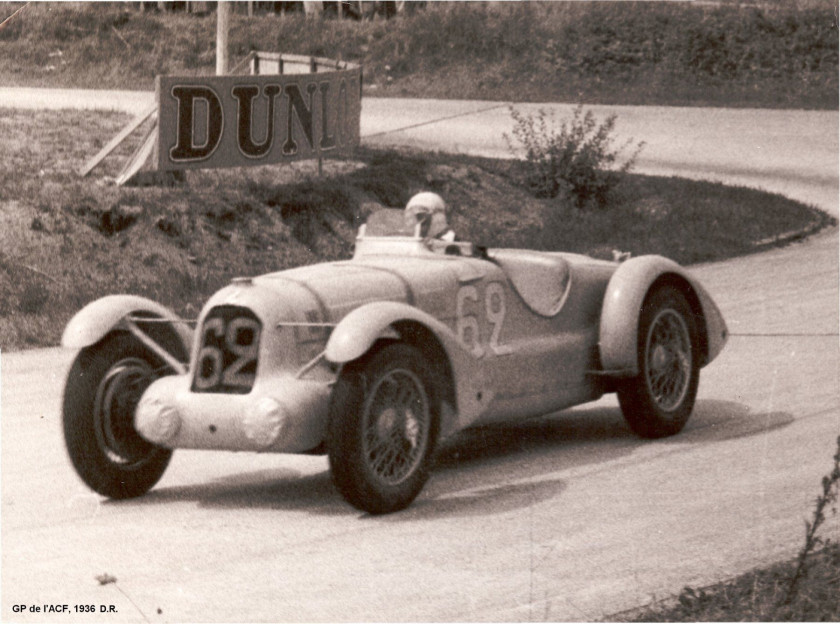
(660, 399)
(668, 359)
(383, 425)
(396, 424)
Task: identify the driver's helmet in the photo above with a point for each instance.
(429, 210)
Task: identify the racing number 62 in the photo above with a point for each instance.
(211, 359)
(467, 325)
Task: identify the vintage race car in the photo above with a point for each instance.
(374, 360)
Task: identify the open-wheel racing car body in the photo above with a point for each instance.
(373, 360)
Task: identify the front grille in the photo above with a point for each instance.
(228, 357)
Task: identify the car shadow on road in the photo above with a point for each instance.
(491, 470)
(716, 421)
(278, 489)
(481, 471)
(500, 468)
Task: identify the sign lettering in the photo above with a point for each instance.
(187, 148)
(234, 121)
(245, 96)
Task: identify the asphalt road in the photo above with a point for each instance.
(566, 517)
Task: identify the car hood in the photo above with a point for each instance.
(340, 287)
(327, 292)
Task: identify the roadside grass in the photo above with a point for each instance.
(65, 241)
(757, 596)
(769, 54)
(804, 589)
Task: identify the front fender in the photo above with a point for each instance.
(98, 318)
(625, 294)
(359, 330)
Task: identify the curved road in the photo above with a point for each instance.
(566, 517)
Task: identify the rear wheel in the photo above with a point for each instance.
(659, 400)
(103, 388)
(383, 427)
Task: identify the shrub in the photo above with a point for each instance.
(577, 159)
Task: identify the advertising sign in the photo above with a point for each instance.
(241, 121)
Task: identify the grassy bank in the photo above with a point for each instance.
(65, 241)
(757, 596)
(778, 54)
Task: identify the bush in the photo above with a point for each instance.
(576, 160)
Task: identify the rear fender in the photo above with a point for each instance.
(99, 318)
(626, 292)
(358, 332)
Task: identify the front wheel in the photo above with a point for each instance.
(103, 388)
(383, 426)
(659, 400)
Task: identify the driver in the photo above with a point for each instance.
(428, 210)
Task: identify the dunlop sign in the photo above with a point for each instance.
(241, 121)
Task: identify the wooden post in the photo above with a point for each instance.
(313, 68)
(222, 26)
(113, 143)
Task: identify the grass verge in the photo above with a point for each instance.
(757, 596)
(775, 53)
(66, 241)
(805, 589)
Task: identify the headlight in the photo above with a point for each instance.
(263, 424)
(156, 421)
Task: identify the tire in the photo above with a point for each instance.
(659, 401)
(103, 388)
(383, 426)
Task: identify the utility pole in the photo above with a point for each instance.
(222, 22)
